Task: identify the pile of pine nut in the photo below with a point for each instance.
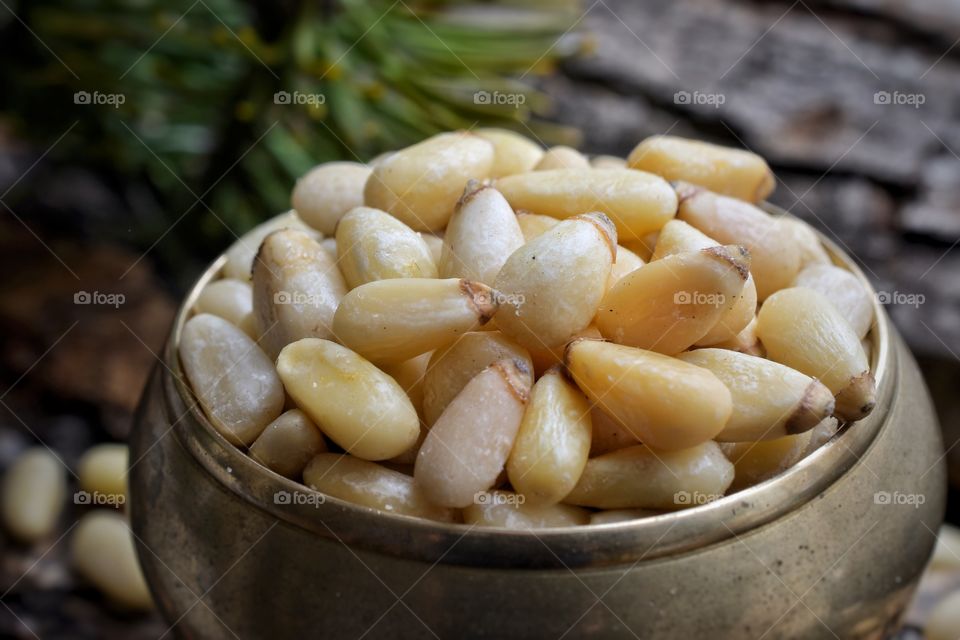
(473, 329)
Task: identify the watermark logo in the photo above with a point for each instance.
(886, 498)
(899, 98)
(98, 98)
(690, 499)
(899, 298)
(484, 498)
(309, 498)
(699, 297)
(98, 499)
(96, 297)
(499, 98)
(714, 100)
(298, 97)
(499, 299)
(297, 298)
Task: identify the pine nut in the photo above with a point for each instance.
(770, 400)
(807, 241)
(395, 320)
(512, 152)
(609, 434)
(34, 488)
(482, 234)
(546, 357)
(410, 375)
(241, 254)
(534, 224)
(102, 551)
(678, 237)
(103, 470)
(371, 485)
(296, 289)
(453, 366)
(644, 246)
(756, 462)
(355, 404)
(420, 185)
(643, 389)
(510, 511)
(726, 170)
(562, 157)
(553, 442)
(232, 300)
(844, 290)
(373, 245)
(288, 444)
(775, 258)
(435, 244)
(803, 330)
(233, 379)
(637, 202)
(608, 162)
(627, 261)
(551, 286)
(745, 342)
(668, 305)
(468, 445)
(327, 192)
(640, 478)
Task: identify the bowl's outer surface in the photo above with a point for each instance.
(831, 549)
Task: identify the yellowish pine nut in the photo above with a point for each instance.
(512, 152)
(641, 478)
(373, 245)
(562, 157)
(553, 442)
(677, 237)
(668, 305)
(643, 390)
(775, 257)
(395, 320)
(453, 366)
(103, 470)
(32, 495)
(844, 290)
(546, 357)
(637, 202)
(510, 511)
(355, 404)
(410, 375)
(288, 444)
(802, 329)
(726, 170)
(534, 224)
(613, 516)
(756, 462)
(371, 485)
(551, 286)
(627, 261)
(232, 300)
(420, 185)
(468, 445)
(102, 551)
(644, 246)
(943, 623)
(232, 377)
(946, 555)
(608, 162)
(296, 289)
(327, 192)
(435, 244)
(745, 342)
(609, 434)
(770, 400)
(241, 254)
(482, 234)
(807, 241)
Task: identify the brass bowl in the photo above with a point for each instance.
(832, 548)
